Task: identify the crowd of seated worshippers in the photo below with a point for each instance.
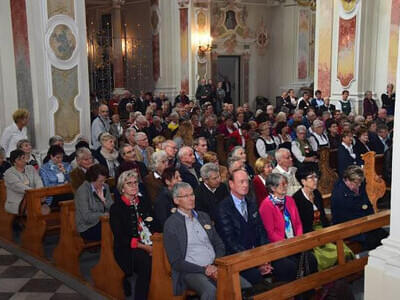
(163, 159)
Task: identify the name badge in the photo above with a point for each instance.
(364, 207)
(60, 177)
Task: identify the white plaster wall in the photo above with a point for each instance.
(44, 104)
(282, 51)
(8, 83)
(259, 64)
(169, 81)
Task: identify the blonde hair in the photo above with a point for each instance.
(260, 163)
(105, 136)
(185, 131)
(209, 156)
(20, 114)
(123, 178)
(158, 140)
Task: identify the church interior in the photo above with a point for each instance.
(217, 83)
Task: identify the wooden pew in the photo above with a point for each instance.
(328, 176)
(37, 224)
(333, 159)
(6, 219)
(375, 185)
(161, 281)
(228, 284)
(71, 244)
(379, 164)
(107, 275)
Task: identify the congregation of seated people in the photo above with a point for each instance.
(213, 178)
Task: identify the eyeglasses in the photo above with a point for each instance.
(185, 196)
(128, 152)
(131, 183)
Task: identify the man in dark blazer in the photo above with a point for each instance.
(240, 227)
(186, 169)
(211, 191)
(200, 148)
(381, 142)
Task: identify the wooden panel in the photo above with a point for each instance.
(107, 275)
(6, 219)
(36, 225)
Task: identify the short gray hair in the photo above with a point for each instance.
(156, 158)
(178, 187)
(196, 141)
(124, 177)
(208, 168)
(138, 135)
(301, 128)
(55, 139)
(21, 142)
(81, 152)
(273, 180)
(231, 161)
(129, 130)
(317, 123)
(183, 151)
(166, 144)
(234, 150)
(279, 153)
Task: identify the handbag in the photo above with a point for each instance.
(304, 266)
(326, 255)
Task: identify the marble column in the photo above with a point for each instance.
(165, 29)
(59, 70)
(118, 67)
(382, 273)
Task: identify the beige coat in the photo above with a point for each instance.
(17, 183)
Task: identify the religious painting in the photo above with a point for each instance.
(394, 41)
(63, 42)
(201, 21)
(303, 44)
(346, 51)
(325, 47)
(230, 20)
(349, 5)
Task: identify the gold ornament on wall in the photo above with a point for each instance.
(349, 5)
(311, 3)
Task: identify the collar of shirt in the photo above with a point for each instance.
(194, 214)
(210, 189)
(156, 175)
(350, 149)
(237, 201)
(262, 179)
(281, 170)
(199, 159)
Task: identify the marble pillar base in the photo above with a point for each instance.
(382, 273)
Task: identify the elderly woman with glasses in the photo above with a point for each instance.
(318, 139)
(278, 211)
(25, 145)
(266, 144)
(107, 155)
(153, 180)
(350, 201)
(131, 223)
(302, 150)
(92, 200)
(309, 200)
(18, 179)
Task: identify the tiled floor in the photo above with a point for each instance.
(20, 280)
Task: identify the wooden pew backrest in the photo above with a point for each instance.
(6, 219)
(71, 244)
(37, 224)
(107, 275)
(228, 284)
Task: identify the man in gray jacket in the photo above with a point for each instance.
(100, 124)
(192, 245)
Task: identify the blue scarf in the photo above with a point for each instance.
(280, 203)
